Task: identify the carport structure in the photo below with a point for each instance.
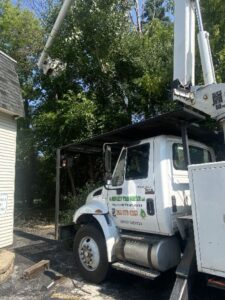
(182, 122)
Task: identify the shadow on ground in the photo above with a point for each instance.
(31, 248)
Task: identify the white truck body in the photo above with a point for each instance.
(149, 202)
(208, 211)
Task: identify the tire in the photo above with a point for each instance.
(90, 254)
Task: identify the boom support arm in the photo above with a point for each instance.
(205, 49)
(184, 44)
(209, 98)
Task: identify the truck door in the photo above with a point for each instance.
(132, 203)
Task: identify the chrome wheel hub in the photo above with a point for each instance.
(89, 254)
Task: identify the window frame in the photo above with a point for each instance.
(136, 146)
(114, 171)
(193, 146)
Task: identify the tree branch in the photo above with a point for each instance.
(137, 9)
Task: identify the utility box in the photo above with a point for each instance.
(11, 107)
(207, 185)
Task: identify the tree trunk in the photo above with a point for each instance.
(137, 9)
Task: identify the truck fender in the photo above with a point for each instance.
(92, 208)
(110, 232)
(100, 213)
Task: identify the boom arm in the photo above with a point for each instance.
(184, 44)
(209, 98)
(44, 62)
(205, 49)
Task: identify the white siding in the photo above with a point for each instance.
(7, 177)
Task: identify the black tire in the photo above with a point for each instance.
(100, 273)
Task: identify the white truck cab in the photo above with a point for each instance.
(137, 212)
(151, 185)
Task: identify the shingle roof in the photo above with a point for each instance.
(10, 92)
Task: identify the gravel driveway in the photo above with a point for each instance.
(31, 248)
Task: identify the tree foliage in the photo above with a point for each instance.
(213, 12)
(114, 72)
(119, 57)
(121, 71)
(20, 37)
(159, 9)
(72, 116)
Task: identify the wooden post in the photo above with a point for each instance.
(57, 194)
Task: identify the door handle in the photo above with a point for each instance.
(150, 207)
(119, 191)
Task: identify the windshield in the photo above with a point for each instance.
(197, 156)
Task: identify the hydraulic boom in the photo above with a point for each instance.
(210, 97)
(45, 63)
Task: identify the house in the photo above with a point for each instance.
(11, 107)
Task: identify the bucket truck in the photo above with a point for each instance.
(153, 214)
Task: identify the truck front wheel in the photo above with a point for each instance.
(90, 254)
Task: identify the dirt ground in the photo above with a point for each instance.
(62, 280)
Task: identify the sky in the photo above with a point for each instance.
(24, 3)
(31, 4)
(36, 6)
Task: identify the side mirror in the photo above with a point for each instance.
(108, 165)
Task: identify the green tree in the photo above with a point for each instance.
(89, 42)
(157, 9)
(145, 68)
(213, 19)
(121, 71)
(114, 71)
(21, 37)
(73, 117)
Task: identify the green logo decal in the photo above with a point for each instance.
(127, 198)
(143, 214)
